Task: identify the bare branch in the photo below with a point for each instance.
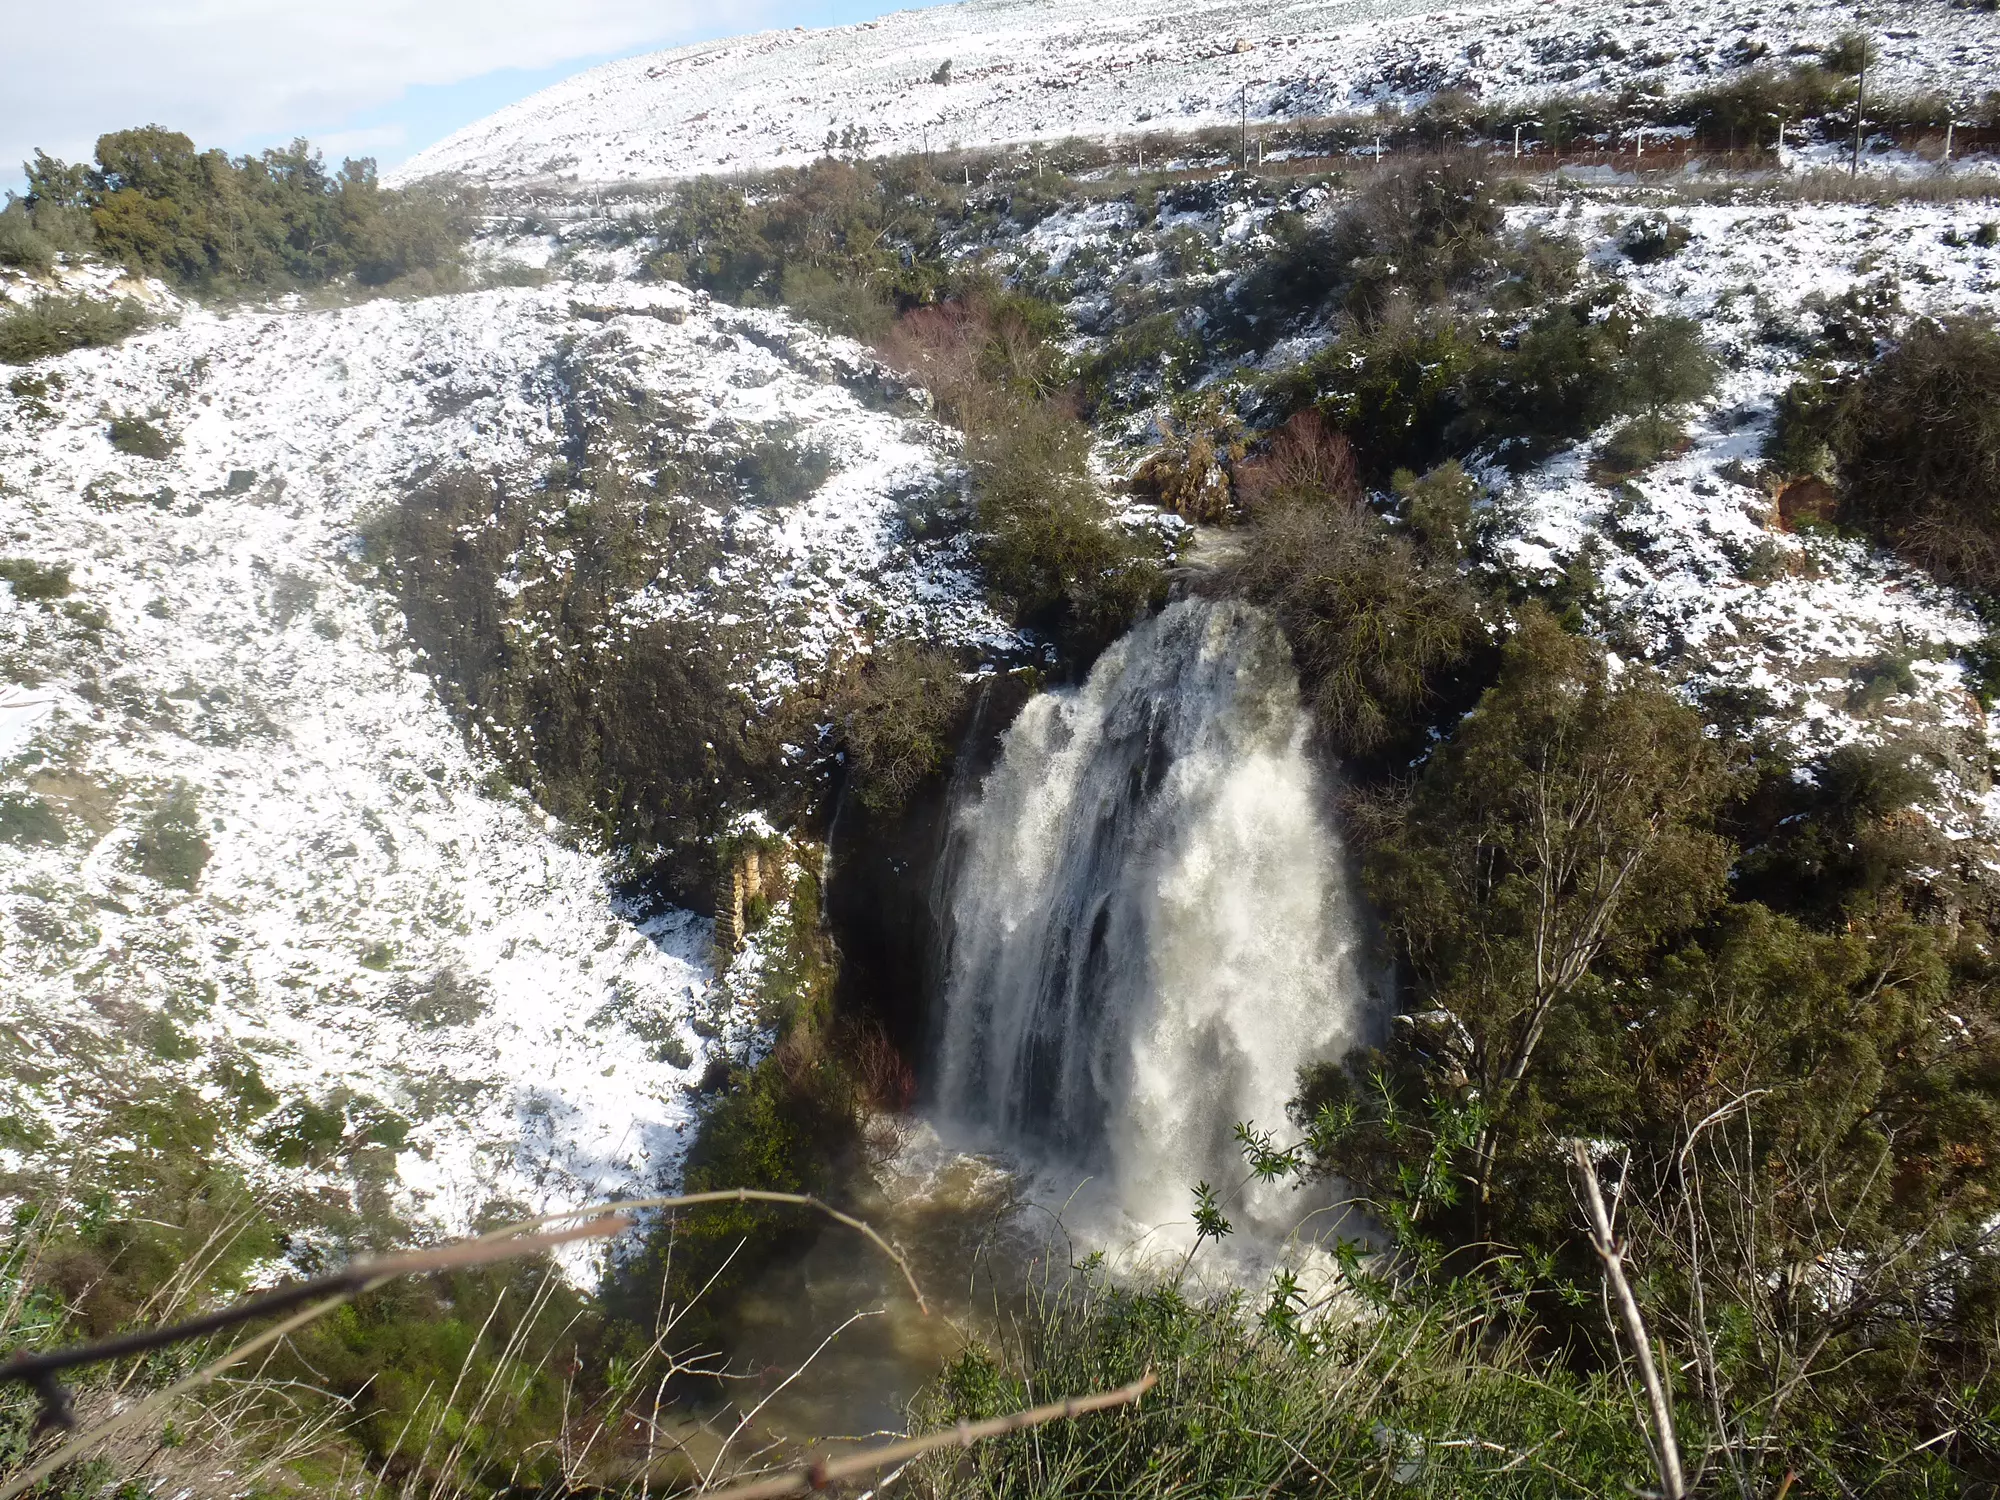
(599, 1222)
(823, 1472)
(1612, 1254)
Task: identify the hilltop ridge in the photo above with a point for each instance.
(987, 72)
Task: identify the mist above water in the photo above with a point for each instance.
(1150, 924)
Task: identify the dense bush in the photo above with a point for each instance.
(1415, 235)
(56, 325)
(1578, 367)
(1415, 389)
(1840, 843)
(1915, 445)
(205, 221)
(845, 243)
(893, 714)
(1048, 542)
(1402, 390)
(1769, 1092)
(1378, 623)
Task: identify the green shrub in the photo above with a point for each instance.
(1048, 540)
(56, 325)
(1438, 508)
(1836, 844)
(780, 470)
(1639, 444)
(1801, 440)
(1399, 390)
(1414, 235)
(140, 438)
(1916, 446)
(894, 713)
(1151, 355)
(171, 848)
(1538, 267)
(32, 237)
(26, 819)
(1566, 814)
(846, 306)
(20, 244)
(1376, 627)
(33, 580)
(1574, 370)
(1653, 237)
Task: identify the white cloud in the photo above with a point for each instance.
(229, 71)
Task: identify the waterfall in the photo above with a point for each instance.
(1150, 922)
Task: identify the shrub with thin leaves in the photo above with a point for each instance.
(56, 325)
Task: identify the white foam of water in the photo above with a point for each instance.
(1151, 926)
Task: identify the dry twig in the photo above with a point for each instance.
(818, 1475)
(1612, 1253)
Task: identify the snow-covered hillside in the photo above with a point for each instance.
(1041, 69)
(1706, 577)
(1818, 640)
(244, 849)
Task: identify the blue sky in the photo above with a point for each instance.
(381, 78)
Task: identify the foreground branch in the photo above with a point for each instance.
(1612, 1254)
(329, 1292)
(823, 1472)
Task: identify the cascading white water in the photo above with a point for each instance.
(1150, 922)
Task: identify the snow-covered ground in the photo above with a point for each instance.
(1704, 579)
(1808, 632)
(381, 924)
(1042, 69)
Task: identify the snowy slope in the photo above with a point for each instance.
(379, 914)
(1704, 578)
(1041, 69)
(1701, 577)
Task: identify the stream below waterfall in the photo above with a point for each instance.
(1149, 928)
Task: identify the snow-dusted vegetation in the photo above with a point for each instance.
(246, 842)
(1457, 623)
(1008, 71)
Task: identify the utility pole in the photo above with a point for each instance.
(1378, 153)
(1517, 143)
(1243, 124)
(1948, 124)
